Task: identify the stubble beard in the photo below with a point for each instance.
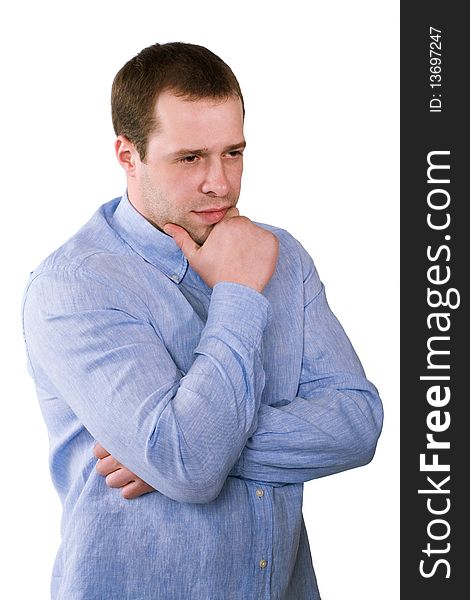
(158, 213)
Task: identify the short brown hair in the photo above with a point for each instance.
(189, 70)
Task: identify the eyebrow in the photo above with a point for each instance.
(204, 151)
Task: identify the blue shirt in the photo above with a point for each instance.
(225, 400)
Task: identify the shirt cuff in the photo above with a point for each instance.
(240, 305)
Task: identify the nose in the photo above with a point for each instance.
(215, 180)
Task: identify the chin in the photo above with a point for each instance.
(201, 236)
(200, 240)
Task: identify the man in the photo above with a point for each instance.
(194, 354)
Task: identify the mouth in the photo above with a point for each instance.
(210, 216)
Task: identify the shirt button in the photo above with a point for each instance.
(174, 278)
(263, 563)
(260, 493)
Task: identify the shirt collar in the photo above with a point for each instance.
(153, 245)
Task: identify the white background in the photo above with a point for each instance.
(320, 82)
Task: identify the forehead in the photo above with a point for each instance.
(182, 121)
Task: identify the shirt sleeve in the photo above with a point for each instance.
(334, 422)
(98, 348)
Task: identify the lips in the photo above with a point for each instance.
(211, 216)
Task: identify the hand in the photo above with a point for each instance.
(236, 250)
(118, 476)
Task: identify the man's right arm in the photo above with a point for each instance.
(97, 348)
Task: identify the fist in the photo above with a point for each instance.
(236, 250)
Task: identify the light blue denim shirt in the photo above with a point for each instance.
(225, 400)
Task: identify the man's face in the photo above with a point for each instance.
(193, 167)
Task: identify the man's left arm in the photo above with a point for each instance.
(334, 422)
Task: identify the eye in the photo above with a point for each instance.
(235, 153)
(192, 158)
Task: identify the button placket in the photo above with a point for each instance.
(263, 544)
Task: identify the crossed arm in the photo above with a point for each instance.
(331, 425)
(174, 431)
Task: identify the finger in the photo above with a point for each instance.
(120, 478)
(99, 451)
(232, 212)
(107, 465)
(188, 246)
(135, 489)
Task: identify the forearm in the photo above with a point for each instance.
(181, 433)
(187, 452)
(335, 418)
(333, 430)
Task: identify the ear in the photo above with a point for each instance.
(127, 154)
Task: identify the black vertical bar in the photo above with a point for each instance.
(435, 249)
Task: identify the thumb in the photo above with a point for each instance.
(188, 246)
